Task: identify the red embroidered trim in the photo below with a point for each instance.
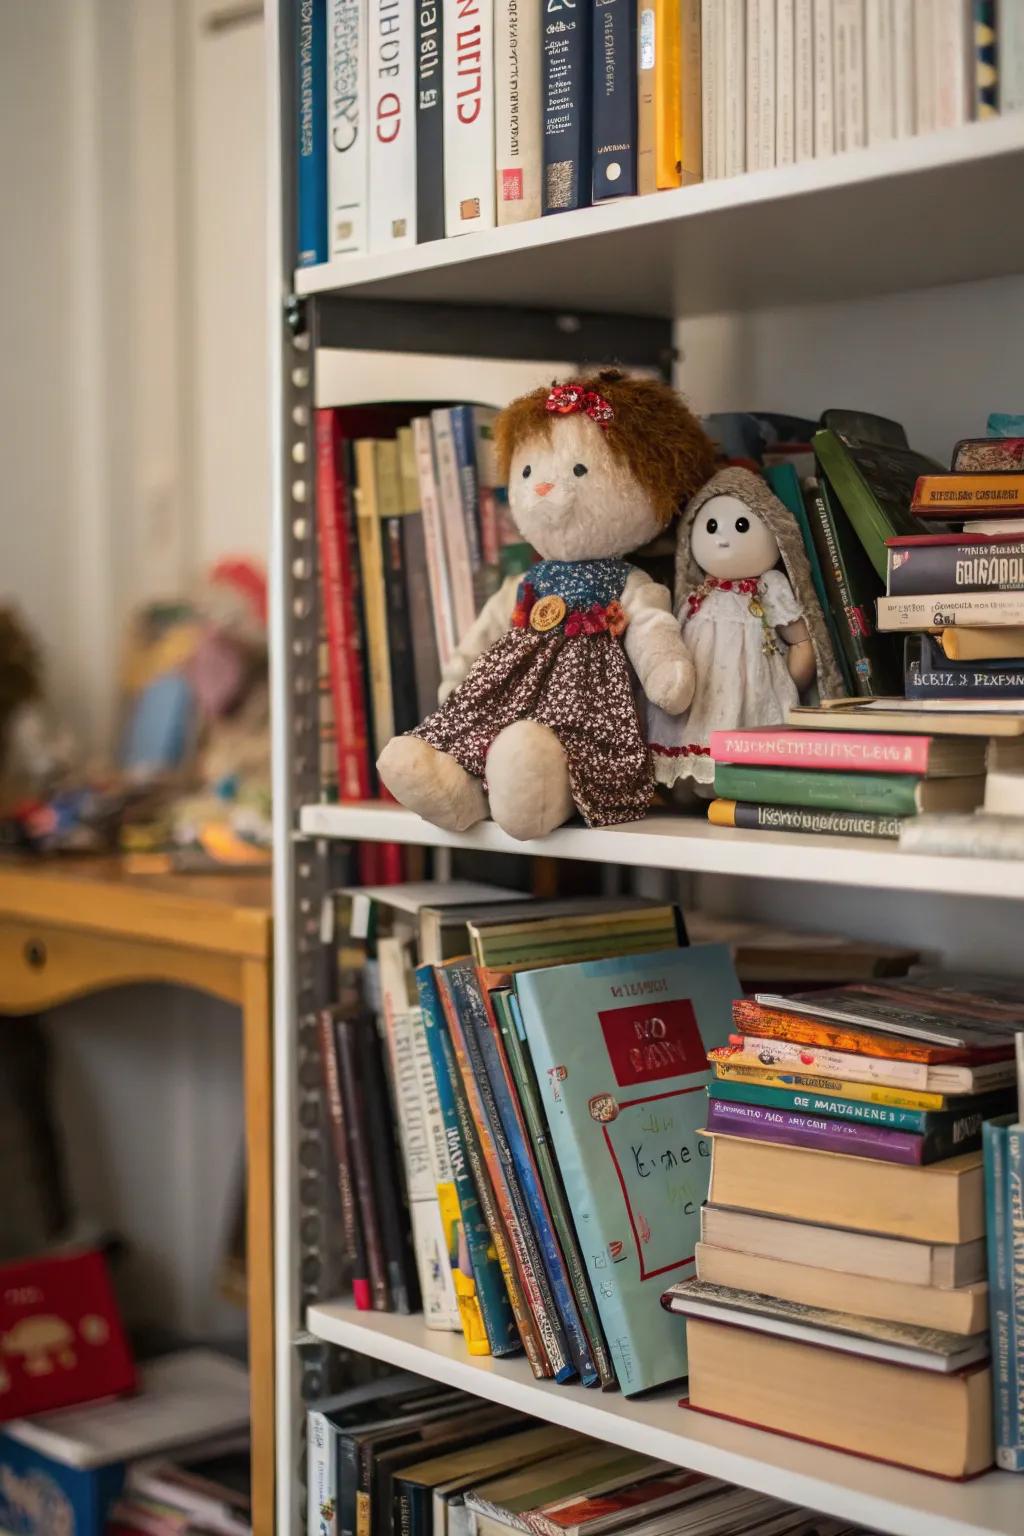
(693, 749)
(594, 620)
(748, 585)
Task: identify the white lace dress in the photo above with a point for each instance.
(739, 681)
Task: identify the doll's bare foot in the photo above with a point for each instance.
(528, 780)
(432, 784)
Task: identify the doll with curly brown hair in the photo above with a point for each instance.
(539, 714)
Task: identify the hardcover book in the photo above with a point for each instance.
(620, 1050)
(392, 107)
(754, 817)
(847, 751)
(668, 92)
(517, 125)
(874, 482)
(348, 150)
(969, 494)
(793, 1128)
(955, 562)
(928, 674)
(311, 133)
(565, 105)
(1004, 1217)
(947, 610)
(468, 116)
(429, 120)
(614, 98)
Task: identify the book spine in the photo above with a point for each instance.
(418, 598)
(321, 1477)
(361, 1159)
(986, 60)
(347, 145)
(461, 417)
(668, 100)
(348, 1483)
(944, 495)
(1013, 1459)
(788, 1129)
(848, 72)
(389, 1189)
(954, 62)
(404, 701)
(456, 539)
(735, 88)
(327, 757)
(371, 559)
(614, 97)
(711, 14)
(524, 1172)
(882, 794)
(913, 1121)
(1010, 33)
(803, 79)
(785, 83)
(433, 538)
(351, 1229)
(925, 86)
(770, 1051)
(484, 1309)
(458, 988)
(430, 202)
(824, 96)
(692, 95)
(928, 675)
(903, 86)
(754, 72)
(565, 105)
(879, 59)
(901, 1098)
(338, 599)
(646, 128)
(517, 110)
(311, 133)
(950, 609)
(529, 1098)
(753, 1018)
(849, 751)
(931, 568)
(853, 587)
(997, 1241)
(794, 818)
(392, 109)
(468, 116)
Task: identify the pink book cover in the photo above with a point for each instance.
(834, 751)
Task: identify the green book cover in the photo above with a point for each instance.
(785, 482)
(874, 483)
(619, 1049)
(886, 794)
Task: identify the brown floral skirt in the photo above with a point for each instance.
(580, 687)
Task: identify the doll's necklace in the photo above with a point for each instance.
(749, 586)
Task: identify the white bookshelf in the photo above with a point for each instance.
(830, 235)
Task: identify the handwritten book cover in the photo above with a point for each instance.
(619, 1050)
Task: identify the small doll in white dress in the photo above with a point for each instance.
(750, 619)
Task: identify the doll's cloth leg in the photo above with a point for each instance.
(502, 686)
(432, 784)
(528, 780)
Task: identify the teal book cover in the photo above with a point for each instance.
(619, 1050)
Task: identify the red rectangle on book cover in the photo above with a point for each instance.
(650, 1041)
(512, 186)
(61, 1338)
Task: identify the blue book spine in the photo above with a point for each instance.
(311, 146)
(1011, 1457)
(502, 1334)
(614, 98)
(473, 1018)
(566, 75)
(525, 1170)
(929, 674)
(463, 439)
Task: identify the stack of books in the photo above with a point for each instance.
(405, 1455)
(840, 1293)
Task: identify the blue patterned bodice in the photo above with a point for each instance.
(580, 583)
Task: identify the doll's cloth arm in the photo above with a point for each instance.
(489, 625)
(780, 603)
(654, 644)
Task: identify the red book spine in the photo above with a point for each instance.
(339, 600)
(835, 751)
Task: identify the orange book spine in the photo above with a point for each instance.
(752, 1018)
(994, 492)
(668, 95)
(692, 148)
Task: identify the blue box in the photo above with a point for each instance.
(43, 1497)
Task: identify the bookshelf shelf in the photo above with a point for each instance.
(904, 215)
(688, 843)
(881, 1498)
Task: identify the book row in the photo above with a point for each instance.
(419, 121)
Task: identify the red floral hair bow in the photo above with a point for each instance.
(566, 399)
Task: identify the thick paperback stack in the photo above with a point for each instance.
(840, 1292)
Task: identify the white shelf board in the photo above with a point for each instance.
(882, 1498)
(690, 843)
(910, 214)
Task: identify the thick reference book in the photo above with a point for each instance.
(955, 562)
(929, 674)
(874, 482)
(848, 752)
(947, 610)
(620, 1047)
(348, 149)
(565, 105)
(392, 107)
(311, 133)
(468, 116)
(429, 120)
(517, 125)
(614, 99)
(882, 794)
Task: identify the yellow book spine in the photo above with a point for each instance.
(722, 813)
(466, 1298)
(668, 96)
(646, 180)
(864, 1093)
(692, 149)
(371, 558)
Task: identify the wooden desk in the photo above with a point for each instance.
(78, 926)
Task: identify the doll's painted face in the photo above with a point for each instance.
(573, 499)
(729, 541)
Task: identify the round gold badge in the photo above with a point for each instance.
(547, 613)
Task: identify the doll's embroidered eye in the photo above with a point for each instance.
(742, 524)
(526, 471)
(579, 470)
(712, 525)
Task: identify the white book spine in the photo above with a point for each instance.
(766, 48)
(1010, 43)
(517, 116)
(785, 82)
(392, 96)
(848, 73)
(879, 62)
(433, 539)
(708, 15)
(721, 52)
(924, 66)
(468, 116)
(824, 110)
(954, 63)
(321, 1476)
(803, 79)
(735, 88)
(904, 112)
(754, 85)
(348, 150)
(456, 541)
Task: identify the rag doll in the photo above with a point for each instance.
(754, 628)
(538, 716)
